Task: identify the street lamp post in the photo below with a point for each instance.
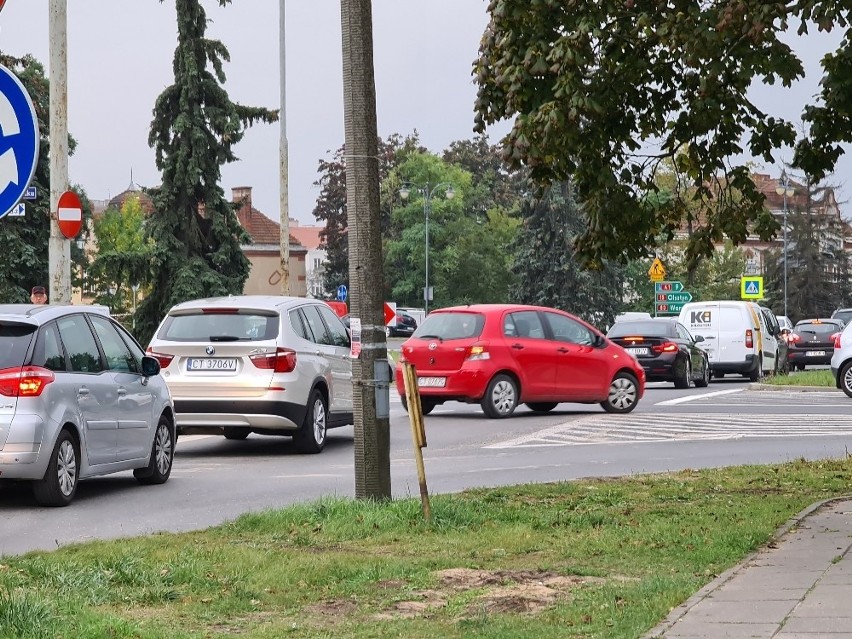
(427, 194)
(784, 188)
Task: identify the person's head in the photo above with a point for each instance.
(38, 295)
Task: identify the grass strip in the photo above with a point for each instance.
(803, 378)
(594, 558)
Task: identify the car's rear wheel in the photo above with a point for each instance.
(59, 484)
(845, 377)
(426, 405)
(541, 407)
(162, 454)
(236, 434)
(310, 438)
(501, 397)
(623, 394)
(757, 372)
(682, 373)
(704, 380)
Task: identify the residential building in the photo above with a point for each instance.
(309, 237)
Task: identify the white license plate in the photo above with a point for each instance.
(815, 354)
(211, 364)
(432, 382)
(638, 351)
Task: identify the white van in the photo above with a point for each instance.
(736, 336)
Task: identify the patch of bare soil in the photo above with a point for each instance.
(334, 609)
(427, 600)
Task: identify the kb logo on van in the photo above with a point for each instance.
(699, 317)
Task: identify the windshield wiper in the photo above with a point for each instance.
(224, 338)
(438, 337)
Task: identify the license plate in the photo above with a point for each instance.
(211, 364)
(638, 351)
(432, 382)
(815, 354)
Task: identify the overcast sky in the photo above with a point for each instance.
(120, 58)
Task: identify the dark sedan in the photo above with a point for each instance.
(405, 326)
(812, 342)
(665, 349)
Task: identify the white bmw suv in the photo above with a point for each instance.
(266, 364)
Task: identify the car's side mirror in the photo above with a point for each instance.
(698, 338)
(150, 366)
(598, 340)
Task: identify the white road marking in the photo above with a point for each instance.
(692, 398)
(666, 427)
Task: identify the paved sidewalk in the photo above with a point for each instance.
(799, 587)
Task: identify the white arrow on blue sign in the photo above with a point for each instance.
(19, 141)
(342, 292)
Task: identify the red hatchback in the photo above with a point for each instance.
(502, 355)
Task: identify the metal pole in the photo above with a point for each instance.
(785, 249)
(283, 152)
(58, 247)
(426, 215)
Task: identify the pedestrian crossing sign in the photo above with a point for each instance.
(751, 287)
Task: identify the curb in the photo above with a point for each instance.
(757, 386)
(676, 614)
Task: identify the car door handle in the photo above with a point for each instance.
(83, 391)
(518, 346)
(562, 349)
(121, 392)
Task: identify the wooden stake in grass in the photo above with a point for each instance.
(418, 431)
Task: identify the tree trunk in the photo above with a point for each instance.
(371, 393)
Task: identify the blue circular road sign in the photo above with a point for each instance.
(342, 292)
(19, 140)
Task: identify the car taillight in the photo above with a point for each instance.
(164, 359)
(27, 381)
(283, 360)
(836, 339)
(665, 347)
(477, 352)
(749, 338)
(792, 338)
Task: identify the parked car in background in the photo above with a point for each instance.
(271, 364)
(812, 342)
(841, 361)
(784, 322)
(502, 355)
(405, 326)
(78, 398)
(665, 349)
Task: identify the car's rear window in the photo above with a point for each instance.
(14, 342)
(844, 316)
(219, 327)
(451, 326)
(823, 328)
(644, 329)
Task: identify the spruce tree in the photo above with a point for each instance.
(193, 227)
(549, 271)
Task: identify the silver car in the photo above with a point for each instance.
(266, 364)
(78, 398)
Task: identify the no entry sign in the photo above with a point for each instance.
(69, 214)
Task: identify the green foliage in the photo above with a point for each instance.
(194, 230)
(592, 86)
(331, 203)
(548, 270)
(123, 255)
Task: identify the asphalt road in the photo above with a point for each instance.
(215, 480)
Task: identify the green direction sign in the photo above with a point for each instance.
(683, 297)
(666, 308)
(668, 287)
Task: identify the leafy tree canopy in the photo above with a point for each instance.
(604, 91)
(194, 229)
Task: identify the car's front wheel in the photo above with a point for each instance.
(845, 377)
(541, 407)
(501, 397)
(162, 454)
(59, 484)
(623, 394)
(310, 438)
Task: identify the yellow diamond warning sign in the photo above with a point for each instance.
(657, 272)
